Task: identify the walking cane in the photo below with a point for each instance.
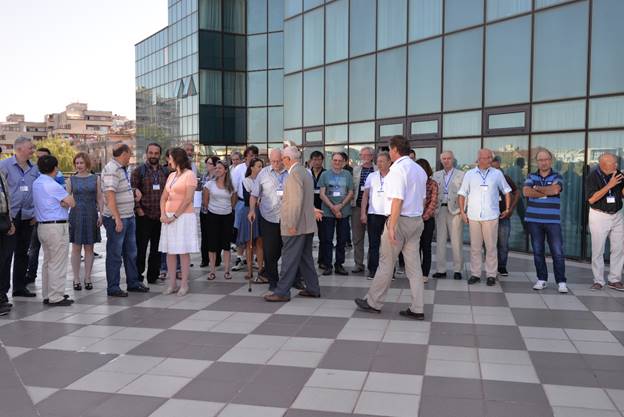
(250, 254)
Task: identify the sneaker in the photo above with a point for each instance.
(616, 286)
(563, 288)
(596, 286)
(239, 265)
(503, 272)
(539, 285)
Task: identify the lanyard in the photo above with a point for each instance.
(604, 179)
(483, 177)
(448, 181)
(173, 181)
(156, 176)
(280, 180)
(381, 181)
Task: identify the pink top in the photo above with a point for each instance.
(176, 187)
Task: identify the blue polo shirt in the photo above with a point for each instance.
(544, 209)
(48, 195)
(20, 184)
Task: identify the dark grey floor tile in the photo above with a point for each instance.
(619, 336)
(312, 413)
(132, 300)
(224, 371)
(210, 390)
(516, 287)
(602, 303)
(215, 339)
(201, 352)
(604, 362)
(118, 405)
(574, 377)
(452, 297)
(288, 319)
(452, 328)
(323, 327)
(24, 309)
(34, 333)
(158, 349)
(557, 318)
(554, 360)
(400, 359)
(515, 392)
(342, 293)
(451, 407)
(349, 355)
(16, 402)
(71, 403)
(241, 303)
(156, 318)
(500, 342)
(445, 339)
(437, 386)
(511, 409)
(609, 379)
(204, 287)
(486, 299)
(277, 329)
(274, 386)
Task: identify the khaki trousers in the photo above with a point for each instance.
(449, 224)
(357, 237)
(408, 233)
(54, 239)
(480, 232)
(603, 226)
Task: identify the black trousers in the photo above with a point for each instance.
(425, 246)
(205, 231)
(33, 257)
(375, 227)
(148, 232)
(272, 242)
(15, 247)
(6, 252)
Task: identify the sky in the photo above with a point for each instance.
(55, 52)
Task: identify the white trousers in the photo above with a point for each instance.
(449, 224)
(603, 226)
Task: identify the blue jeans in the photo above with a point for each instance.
(121, 246)
(343, 227)
(502, 245)
(539, 233)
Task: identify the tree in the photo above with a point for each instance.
(62, 149)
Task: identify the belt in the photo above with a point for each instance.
(410, 217)
(444, 205)
(53, 221)
(241, 199)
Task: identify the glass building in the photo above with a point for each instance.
(511, 75)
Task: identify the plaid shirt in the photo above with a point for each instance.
(431, 202)
(150, 201)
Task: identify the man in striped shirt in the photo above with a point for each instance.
(543, 219)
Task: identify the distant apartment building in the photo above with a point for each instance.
(15, 126)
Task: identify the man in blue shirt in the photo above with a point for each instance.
(5, 210)
(20, 174)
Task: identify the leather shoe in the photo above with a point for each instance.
(119, 293)
(306, 293)
(363, 305)
(474, 280)
(328, 271)
(46, 301)
(274, 298)
(409, 313)
(203, 264)
(24, 293)
(65, 302)
(4, 310)
(357, 270)
(491, 281)
(457, 276)
(340, 270)
(139, 288)
(439, 275)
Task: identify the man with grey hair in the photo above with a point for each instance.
(20, 174)
(358, 229)
(235, 159)
(604, 194)
(189, 148)
(298, 224)
(448, 220)
(479, 208)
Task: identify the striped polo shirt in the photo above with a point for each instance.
(544, 209)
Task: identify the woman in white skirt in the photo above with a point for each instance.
(178, 235)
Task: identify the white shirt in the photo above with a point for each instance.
(376, 193)
(482, 188)
(238, 175)
(220, 199)
(406, 181)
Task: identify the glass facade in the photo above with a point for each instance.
(337, 75)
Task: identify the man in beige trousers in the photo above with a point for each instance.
(405, 192)
(358, 229)
(448, 220)
(479, 208)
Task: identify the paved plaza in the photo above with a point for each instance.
(503, 351)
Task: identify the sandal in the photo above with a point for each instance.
(77, 286)
(260, 280)
(211, 276)
(88, 286)
(248, 277)
(227, 275)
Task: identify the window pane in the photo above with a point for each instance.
(545, 3)
(293, 136)
(390, 130)
(234, 52)
(234, 16)
(210, 87)
(314, 136)
(276, 15)
(425, 77)
(427, 127)
(392, 23)
(606, 112)
(462, 70)
(560, 66)
(567, 115)
(465, 151)
(257, 125)
(292, 100)
(234, 88)
(567, 149)
(257, 88)
(256, 52)
(256, 16)
(292, 7)
(462, 124)
(210, 14)
(362, 132)
(292, 45)
(276, 123)
(362, 88)
(603, 142)
(498, 9)
(276, 88)
(276, 50)
(607, 64)
(506, 120)
(337, 29)
(313, 38)
(508, 62)
(313, 89)
(335, 134)
(462, 13)
(425, 18)
(391, 67)
(362, 27)
(336, 93)
(310, 4)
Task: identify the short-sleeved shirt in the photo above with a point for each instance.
(176, 186)
(544, 209)
(376, 193)
(47, 195)
(238, 175)
(501, 197)
(482, 189)
(269, 188)
(220, 201)
(612, 201)
(337, 186)
(115, 178)
(20, 184)
(406, 181)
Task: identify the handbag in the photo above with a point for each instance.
(5, 223)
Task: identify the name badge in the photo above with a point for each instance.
(484, 187)
(610, 199)
(317, 191)
(380, 191)
(336, 194)
(362, 188)
(156, 187)
(280, 193)
(23, 188)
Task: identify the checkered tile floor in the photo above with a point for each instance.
(221, 351)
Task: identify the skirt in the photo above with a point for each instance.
(243, 227)
(180, 236)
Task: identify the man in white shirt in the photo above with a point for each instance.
(238, 175)
(481, 187)
(448, 220)
(405, 194)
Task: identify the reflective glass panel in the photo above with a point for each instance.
(425, 18)
(314, 136)
(292, 7)
(256, 16)
(362, 27)
(605, 142)
(465, 151)
(606, 112)
(313, 38)
(337, 29)
(462, 13)
(425, 77)
(234, 88)
(506, 120)
(276, 50)
(391, 83)
(362, 88)
(313, 97)
(292, 100)
(391, 23)
(210, 87)
(292, 44)
(498, 9)
(276, 15)
(256, 52)
(545, 3)
(462, 124)
(566, 115)
(336, 134)
(309, 4)
(257, 88)
(257, 125)
(336, 93)
(362, 132)
(276, 123)
(234, 16)
(462, 70)
(293, 136)
(386, 131)
(276, 88)
(426, 127)
(560, 64)
(607, 57)
(210, 14)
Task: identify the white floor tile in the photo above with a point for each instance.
(156, 386)
(188, 408)
(188, 368)
(326, 399)
(452, 369)
(581, 397)
(394, 383)
(240, 410)
(507, 372)
(386, 404)
(338, 379)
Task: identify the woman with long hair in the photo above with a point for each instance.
(219, 199)
(85, 219)
(431, 204)
(211, 163)
(178, 235)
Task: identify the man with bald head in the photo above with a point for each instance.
(604, 194)
(479, 208)
(448, 221)
(269, 189)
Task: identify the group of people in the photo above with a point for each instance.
(272, 212)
